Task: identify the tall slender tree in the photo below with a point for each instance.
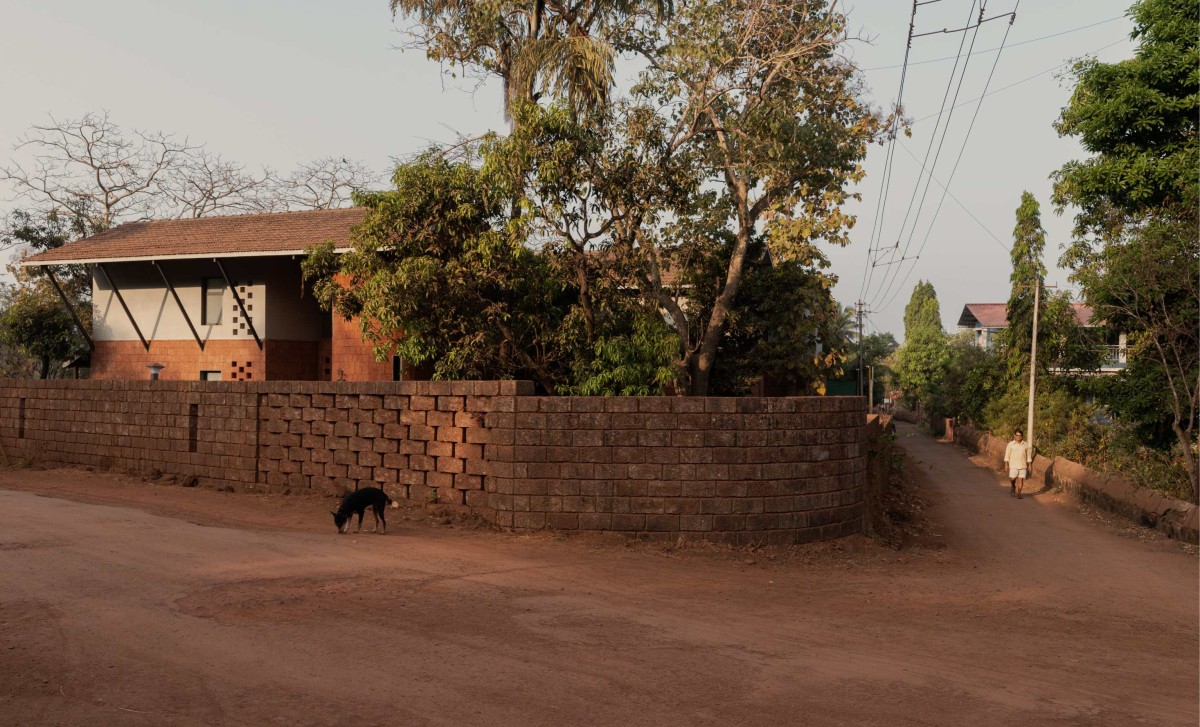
(925, 357)
(1029, 240)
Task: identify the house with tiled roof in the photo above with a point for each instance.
(218, 299)
(984, 321)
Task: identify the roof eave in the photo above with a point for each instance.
(34, 263)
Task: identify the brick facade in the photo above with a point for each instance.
(781, 470)
(127, 360)
(352, 358)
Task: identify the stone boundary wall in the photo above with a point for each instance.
(1176, 518)
(421, 439)
(736, 470)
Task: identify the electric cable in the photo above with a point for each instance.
(881, 202)
(1000, 47)
(1029, 78)
(891, 275)
(954, 169)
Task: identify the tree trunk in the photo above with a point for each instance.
(585, 297)
(703, 359)
(1189, 460)
(45, 367)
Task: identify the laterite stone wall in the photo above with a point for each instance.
(738, 470)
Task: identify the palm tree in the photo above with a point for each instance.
(541, 47)
(564, 58)
(847, 324)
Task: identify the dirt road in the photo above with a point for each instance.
(188, 607)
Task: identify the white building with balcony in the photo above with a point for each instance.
(986, 320)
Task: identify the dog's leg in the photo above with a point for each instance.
(383, 519)
(375, 514)
(359, 526)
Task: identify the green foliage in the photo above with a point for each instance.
(974, 377)
(1056, 409)
(1135, 395)
(922, 363)
(1138, 119)
(439, 276)
(1029, 239)
(637, 363)
(34, 323)
(923, 312)
(565, 51)
(783, 324)
(1135, 251)
(1117, 446)
(36, 332)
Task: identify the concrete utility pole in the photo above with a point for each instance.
(1037, 287)
(870, 387)
(859, 305)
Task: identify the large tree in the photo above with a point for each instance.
(1138, 119)
(91, 169)
(772, 120)
(1138, 196)
(89, 166)
(730, 156)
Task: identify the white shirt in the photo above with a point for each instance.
(1018, 454)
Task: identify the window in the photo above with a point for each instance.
(397, 369)
(210, 375)
(213, 291)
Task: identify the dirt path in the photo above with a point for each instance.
(256, 613)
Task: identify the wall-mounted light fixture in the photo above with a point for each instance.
(155, 368)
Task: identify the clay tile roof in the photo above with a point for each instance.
(274, 233)
(987, 315)
(995, 315)
(1083, 314)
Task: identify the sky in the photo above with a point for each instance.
(278, 83)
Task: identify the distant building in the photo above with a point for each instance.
(985, 320)
(218, 299)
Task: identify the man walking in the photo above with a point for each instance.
(1018, 456)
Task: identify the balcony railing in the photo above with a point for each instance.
(1115, 357)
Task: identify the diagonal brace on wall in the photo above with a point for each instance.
(241, 306)
(121, 299)
(178, 302)
(70, 308)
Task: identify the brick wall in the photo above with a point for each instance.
(352, 358)
(133, 426)
(117, 360)
(739, 470)
(293, 360)
(780, 470)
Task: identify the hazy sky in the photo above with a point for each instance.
(276, 83)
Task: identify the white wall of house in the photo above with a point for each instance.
(269, 287)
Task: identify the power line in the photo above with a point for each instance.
(881, 202)
(1024, 80)
(1000, 47)
(890, 279)
(966, 137)
(957, 201)
(875, 263)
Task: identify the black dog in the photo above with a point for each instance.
(358, 502)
